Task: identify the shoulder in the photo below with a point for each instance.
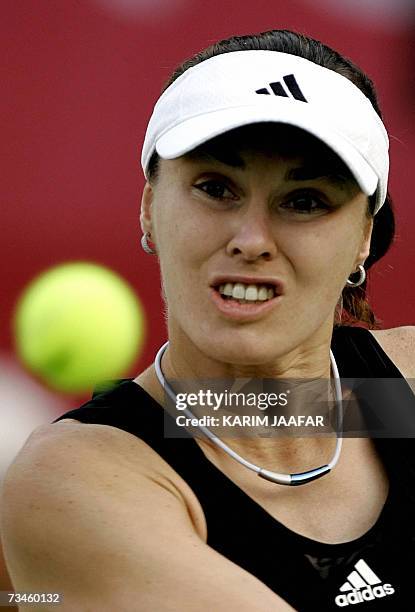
(100, 455)
(84, 492)
(399, 344)
(86, 451)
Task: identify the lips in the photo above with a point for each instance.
(243, 311)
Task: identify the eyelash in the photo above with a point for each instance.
(301, 196)
(310, 197)
(216, 183)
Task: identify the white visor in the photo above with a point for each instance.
(246, 87)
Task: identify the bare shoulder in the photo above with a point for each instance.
(399, 344)
(101, 455)
(89, 512)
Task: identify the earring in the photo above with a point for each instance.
(361, 279)
(144, 243)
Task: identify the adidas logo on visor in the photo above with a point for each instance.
(362, 585)
(278, 89)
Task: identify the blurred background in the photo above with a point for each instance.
(80, 78)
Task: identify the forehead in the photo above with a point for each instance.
(271, 140)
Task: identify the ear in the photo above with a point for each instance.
(146, 215)
(364, 250)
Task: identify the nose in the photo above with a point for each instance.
(253, 239)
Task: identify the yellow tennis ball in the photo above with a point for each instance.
(78, 324)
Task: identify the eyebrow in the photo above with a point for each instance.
(335, 175)
(331, 172)
(227, 157)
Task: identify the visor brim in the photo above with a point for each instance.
(193, 132)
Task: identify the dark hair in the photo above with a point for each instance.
(355, 309)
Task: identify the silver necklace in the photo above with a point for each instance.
(298, 478)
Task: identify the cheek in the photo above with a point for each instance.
(322, 256)
(187, 231)
(184, 246)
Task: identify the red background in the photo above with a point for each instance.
(79, 87)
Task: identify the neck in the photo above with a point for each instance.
(281, 454)
(309, 359)
(272, 452)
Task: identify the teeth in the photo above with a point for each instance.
(227, 290)
(263, 293)
(238, 292)
(250, 293)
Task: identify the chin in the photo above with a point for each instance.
(239, 350)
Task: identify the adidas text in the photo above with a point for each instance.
(366, 594)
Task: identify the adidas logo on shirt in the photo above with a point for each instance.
(362, 585)
(278, 89)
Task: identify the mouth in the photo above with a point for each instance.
(246, 301)
(247, 292)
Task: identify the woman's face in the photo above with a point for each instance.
(269, 206)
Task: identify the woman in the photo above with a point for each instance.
(266, 201)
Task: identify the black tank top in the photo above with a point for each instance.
(373, 572)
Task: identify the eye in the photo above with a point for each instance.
(216, 189)
(305, 204)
